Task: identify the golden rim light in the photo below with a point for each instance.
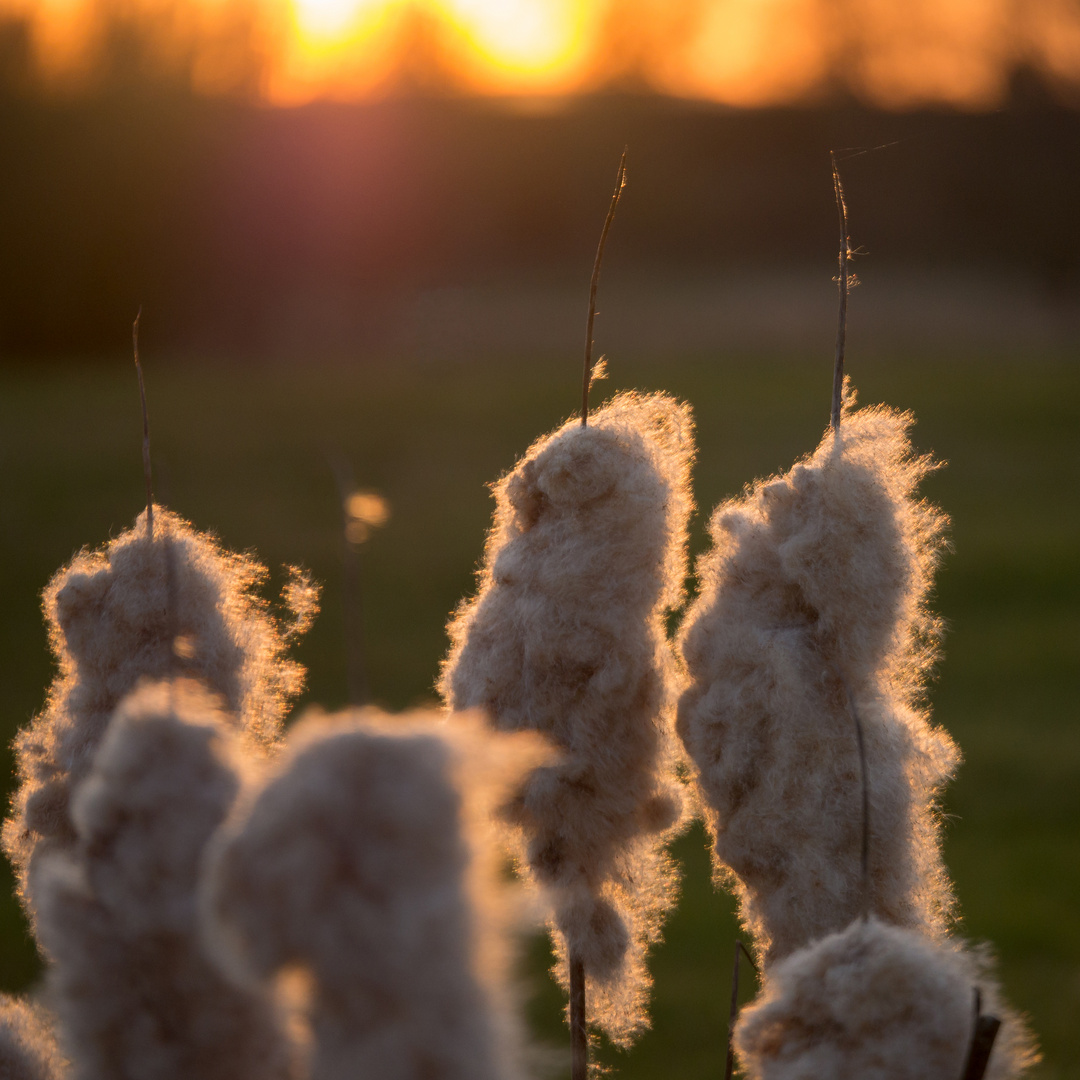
(744, 52)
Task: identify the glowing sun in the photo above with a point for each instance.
(346, 46)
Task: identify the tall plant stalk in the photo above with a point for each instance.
(146, 430)
(589, 373)
(843, 284)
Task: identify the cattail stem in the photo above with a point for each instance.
(844, 287)
(145, 430)
(586, 380)
(864, 778)
(733, 1015)
(353, 591)
(354, 626)
(579, 1031)
(983, 1034)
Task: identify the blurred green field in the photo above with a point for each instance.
(244, 452)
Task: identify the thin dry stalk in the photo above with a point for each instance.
(353, 593)
(579, 1031)
(587, 377)
(145, 430)
(733, 1015)
(844, 287)
(983, 1034)
(865, 780)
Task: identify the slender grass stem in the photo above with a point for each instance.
(733, 1015)
(579, 1030)
(984, 1032)
(146, 430)
(353, 587)
(844, 288)
(586, 381)
(864, 780)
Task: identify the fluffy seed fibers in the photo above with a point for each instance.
(146, 608)
(365, 874)
(28, 1049)
(878, 1003)
(566, 637)
(135, 993)
(812, 607)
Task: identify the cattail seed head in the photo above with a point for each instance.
(136, 994)
(812, 612)
(566, 636)
(146, 607)
(878, 1003)
(28, 1049)
(363, 873)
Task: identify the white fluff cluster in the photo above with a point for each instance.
(136, 995)
(812, 606)
(878, 1003)
(28, 1049)
(566, 637)
(362, 872)
(146, 608)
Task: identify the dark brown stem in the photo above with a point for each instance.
(843, 285)
(356, 672)
(579, 1030)
(353, 596)
(733, 1015)
(983, 1034)
(145, 431)
(864, 776)
(586, 382)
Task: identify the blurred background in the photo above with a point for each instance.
(361, 233)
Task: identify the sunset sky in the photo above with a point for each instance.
(896, 53)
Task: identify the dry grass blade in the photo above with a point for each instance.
(579, 1031)
(865, 779)
(733, 1015)
(844, 287)
(587, 378)
(983, 1034)
(145, 430)
(353, 595)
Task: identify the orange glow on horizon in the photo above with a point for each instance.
(328, 21)
(751, 52)
(355, 48)
(897, 53)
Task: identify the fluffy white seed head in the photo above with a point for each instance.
(363, 872)
(566, 637)
(812, 606)
(147, 608)
(878, 1003)
(134, 990)
(28, 1048)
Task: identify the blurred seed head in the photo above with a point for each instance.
(365, 510)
